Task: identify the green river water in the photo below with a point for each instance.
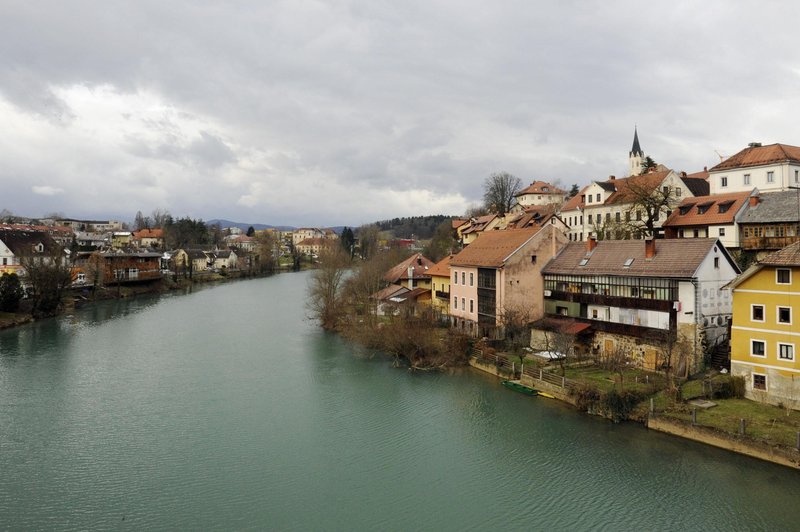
(226, 409)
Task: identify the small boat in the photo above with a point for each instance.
(545, 394)
(517, 387)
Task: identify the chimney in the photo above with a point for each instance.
(754, 200)
(649, 247)
(410, 277)
(612, 177)
(591, 243)
(705, 169)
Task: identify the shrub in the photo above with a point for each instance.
(727, 387)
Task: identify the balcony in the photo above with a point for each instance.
(612, 301)
(767, 242)
(441, 294)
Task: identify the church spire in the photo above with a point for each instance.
(636, 149)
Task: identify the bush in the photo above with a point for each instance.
(10, 292)
(586, 396)
(619, 405)
(727, 387)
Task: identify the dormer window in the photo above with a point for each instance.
(38, 248)
(628, 263)
(583, 262)
(703, 207)
(545, 189)
(723, 207)
(686, 208)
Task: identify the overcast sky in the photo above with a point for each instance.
(345, 112)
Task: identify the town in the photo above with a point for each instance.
(657, 277)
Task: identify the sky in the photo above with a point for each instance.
(346, 112)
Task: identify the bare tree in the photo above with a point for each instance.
(368, 236)
(558, 342)
(648, 204)
(324, 292)
(48, 276)
(267, 250)
(616, 359)
(159, 217)
(499, 190)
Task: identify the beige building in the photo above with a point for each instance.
(538, 193)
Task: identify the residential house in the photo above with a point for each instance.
(499, 275)
(714, 216)
(303, 233)
(198, 260)
(115, 268)
(241, 242)
(765, 335)
(16, 244)
(439, 274)
(312, 246)
(469, 231)
(411, 273)
(149, 239)
(772, 222)
(224, 258)
(771, 168)
(91, 226)
(645, 298)
(538, 193)
(92, 241)
(121, 240)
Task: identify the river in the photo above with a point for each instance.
(227, 409)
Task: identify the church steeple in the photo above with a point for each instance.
(636, 150)
(636, 155)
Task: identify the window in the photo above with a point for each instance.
(463, 304)
(608, 216)
(746, 178)
(463, 281)
(5, 261)
(471, 278)
(758, 348)
(723, 207)
(696, 233)
(594, 313)
(634, 291)
(455, 277)
(618, 217)
(785, 315)
(785, 351)
(562, 311)
(589, 198)
(677, 192)
(723, 181)
(721, 231)
(665, 190)
(757, 312)
(533, 257)
(770, 177)
(471, 306)
(455, 302)
(598, 198)
(628, 263)
(783, 276)
(759, 382)
(797, 176)
(716, 262)
(638, 216)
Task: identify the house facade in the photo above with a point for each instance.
(16, 244)
(765, 333)
(439, 274)
(771, 168)
(538, 193)
(710, 217)
(771, 223)
(498, 276)
(644, 297)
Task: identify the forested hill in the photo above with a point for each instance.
(420, 226)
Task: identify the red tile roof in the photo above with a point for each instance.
(759, 155)
(540, 187)
(575, 201)
(688, 212)
(627, 188)
(491, 248)
(441, 268)
(148, 233)
(399, 272)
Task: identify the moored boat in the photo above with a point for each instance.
(521, 388)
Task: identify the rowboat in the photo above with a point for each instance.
(517, 387)
(545, 394)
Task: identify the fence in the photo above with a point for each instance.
(516, 369)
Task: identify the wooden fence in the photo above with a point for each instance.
(537, 374)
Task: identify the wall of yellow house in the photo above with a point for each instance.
(440, 284)
(761, 322)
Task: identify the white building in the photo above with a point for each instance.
(770, 168)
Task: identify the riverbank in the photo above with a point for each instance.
(666, 422)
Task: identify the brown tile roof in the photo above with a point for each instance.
(674, 258)
(703, 174)
(688, 212)
(575, 201)
(479, 224)
(540, 187)
(24, 242)
(399, 272)
(758, 155)
(441, 268)
(455, 224)
(389, 291)
(788, 256)
(148, 233)
(491, 248)
(314, 242)
(627, 188)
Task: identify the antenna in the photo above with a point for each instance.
(721, 157)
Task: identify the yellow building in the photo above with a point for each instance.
(765, 333)
(440, 285)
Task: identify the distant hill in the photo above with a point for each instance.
(245, 226)
(418, 226)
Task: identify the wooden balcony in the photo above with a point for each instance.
(767, 242)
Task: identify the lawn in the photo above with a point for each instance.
(605, 380)
(764, 422)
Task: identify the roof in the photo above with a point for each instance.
(313, 242)
(540, 187)
(441, 268)
(456, 223)
(788, 256)
(492, 248)
(705, 210)
(196, 254)
(399, 272)
(774, 207)
(627, 188)
(478, 224)
(561, 324)
(576, 201)
(698, 186)
(389, 291)
(22, 242)
(760, 155)
(703, 174)
(149, 233)
(675, 258)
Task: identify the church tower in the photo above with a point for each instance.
(636, 156)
